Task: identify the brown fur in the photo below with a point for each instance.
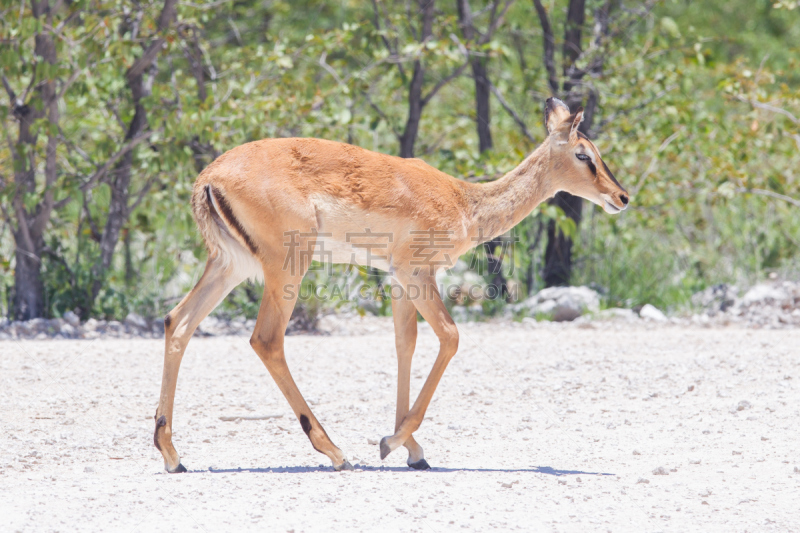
(254, 200)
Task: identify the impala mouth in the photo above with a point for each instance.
(611, 208)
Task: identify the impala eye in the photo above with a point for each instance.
(583, 157)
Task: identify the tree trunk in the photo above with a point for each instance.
(558, 254)
(415, 100)
(494, 266)
(409, 136)
(28, 288)
(482, 86)
(482, 110)
(30, 224)
(549, 46)
(119, 209)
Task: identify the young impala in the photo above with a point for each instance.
(265, 207)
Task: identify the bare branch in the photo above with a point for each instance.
(549, 46)
(94, 230)
(101, 172)
(12, 96)
(52, 253)
(146, 59)
(74, 76)
(141, 194)
(768, 107)
(764, 192)
(392, 49)
(164, 20)
(30, 86)
(127, 147)
(380, 112)
(465, 18)
(510, 111)
(58, 29)
(444, 81)
(640, 105)
(495, 21)
(324, 64)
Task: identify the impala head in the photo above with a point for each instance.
(580, 169)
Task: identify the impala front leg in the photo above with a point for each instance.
(422, 291)
(404, 315)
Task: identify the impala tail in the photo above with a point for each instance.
(223, 233)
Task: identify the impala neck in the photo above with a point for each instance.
(502, 204)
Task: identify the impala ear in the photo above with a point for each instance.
(576, 119)
(555, 111)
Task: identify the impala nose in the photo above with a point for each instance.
(623, 199)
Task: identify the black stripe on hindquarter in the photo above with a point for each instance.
(229, 217)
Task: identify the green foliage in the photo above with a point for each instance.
(677, 124)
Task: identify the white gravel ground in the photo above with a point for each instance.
(549, 427)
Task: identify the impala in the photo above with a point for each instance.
(263, 208)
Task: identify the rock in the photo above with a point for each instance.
(563, 303)
(37, 325)
(68, 331)
(643, 480)
(91, 324)
(651, 312)
(22, 329)
(618, 313)
(471, 313)
(715, 299)
(765, 293)
(744, 404)
(660, 471)
(72, 319)
(136, 321)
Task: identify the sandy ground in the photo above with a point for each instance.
(605, 427)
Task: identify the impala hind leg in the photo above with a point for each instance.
(280, 294)
(424, 294)
(179, 325)
(404, 315)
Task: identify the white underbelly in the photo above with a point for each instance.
(366, 252)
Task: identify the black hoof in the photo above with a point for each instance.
(422, 464)
(385, 450)
(180, 469)
(345, 466)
